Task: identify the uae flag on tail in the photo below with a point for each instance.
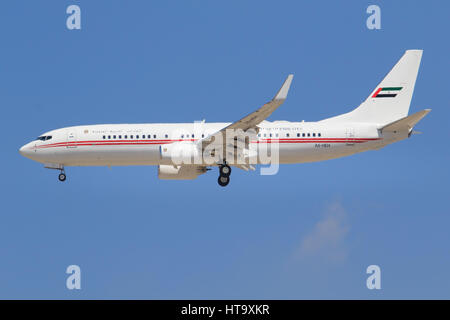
(386, 92)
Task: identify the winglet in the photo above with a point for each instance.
(283, 92)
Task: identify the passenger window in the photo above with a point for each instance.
(318, 134)
(104, 137)
(131, 137)
(264, 135)
(270, 135)
(114, 136)
(309, 135)
(303, 135)
(125, 137)
(166, 136)
(203, 135)
(314, 134)
(120, 137)
(154, 136)
(109, 137)
(182, 136)
(287, 135)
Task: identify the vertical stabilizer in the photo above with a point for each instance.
(390, 100)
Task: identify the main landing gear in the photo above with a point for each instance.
(224, 175)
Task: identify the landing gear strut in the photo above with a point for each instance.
(224, 175)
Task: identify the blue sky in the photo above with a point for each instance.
(308, 232)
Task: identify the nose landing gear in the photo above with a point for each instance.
(62, 176)
(60, 167)
(224, 175)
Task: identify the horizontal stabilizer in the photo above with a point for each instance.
(406, 123)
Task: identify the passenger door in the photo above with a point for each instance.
(71, 139)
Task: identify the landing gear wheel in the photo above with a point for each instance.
(223, 181)
(62, 177)
(225, 170)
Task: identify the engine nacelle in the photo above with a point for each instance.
(168, 172)
(183, 152)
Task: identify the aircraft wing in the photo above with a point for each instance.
(254, 118)
(248, 122)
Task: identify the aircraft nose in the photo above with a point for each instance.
(25, 150)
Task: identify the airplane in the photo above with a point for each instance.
(380, 120)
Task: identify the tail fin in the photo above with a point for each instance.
(390, 100)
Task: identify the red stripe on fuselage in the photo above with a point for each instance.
(160, 142)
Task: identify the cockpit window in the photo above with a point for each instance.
(44, 138)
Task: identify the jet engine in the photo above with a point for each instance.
(186, 172)
(178, 153)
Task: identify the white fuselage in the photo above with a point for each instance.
(139, 144)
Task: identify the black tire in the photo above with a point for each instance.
(223, 181)
(225, 170)
(62, 177)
